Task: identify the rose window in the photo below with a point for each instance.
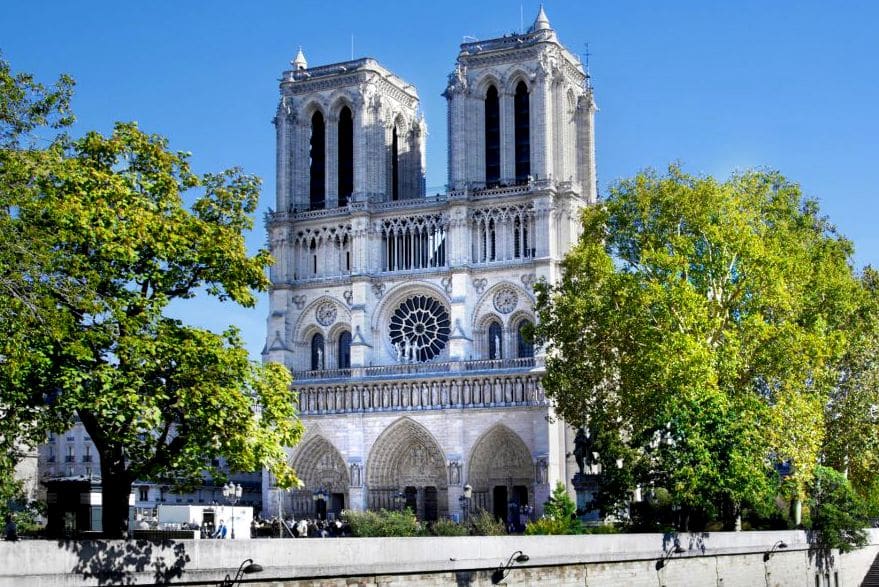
(505, 300)
(419, 329)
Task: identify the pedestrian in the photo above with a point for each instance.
(11, 531)
(221, 531)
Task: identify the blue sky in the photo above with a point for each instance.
(719, 86)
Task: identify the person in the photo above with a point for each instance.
(221, 531)
(11, 529)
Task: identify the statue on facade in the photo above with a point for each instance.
(454, 473)
(399, 348)
(497, 347)
(583, 450)
(407, 350)
(413, 351)
(320, 359)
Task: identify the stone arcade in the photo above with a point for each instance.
(404, 316)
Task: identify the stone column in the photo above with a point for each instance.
(332, 160)
(508, 136)
(282, 158)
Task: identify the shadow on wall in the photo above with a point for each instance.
(117, 562)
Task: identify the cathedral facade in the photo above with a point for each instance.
(405, 317)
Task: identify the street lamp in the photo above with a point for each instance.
(502, 571)
(465, 501)
(775, 548)
(247, 567)
(232, 494)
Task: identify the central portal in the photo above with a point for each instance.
(406, 469)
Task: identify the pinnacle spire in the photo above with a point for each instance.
(541, 23)
(299, 61)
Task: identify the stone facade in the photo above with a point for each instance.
(405, 317)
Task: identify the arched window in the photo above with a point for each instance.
(492, 137)
(524, 343)
(317, 187)
(395, 167)
(495, 341)
(317, 352)
(522, 124)
(344, 350)
(346, 155)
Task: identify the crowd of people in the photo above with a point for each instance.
(303, 528)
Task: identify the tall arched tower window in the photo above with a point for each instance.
(495, 341)
(317, 187)
(317, 352)
(346, 155)
(395, 167)
(344, 350)
(522, 127)
(524, 345)
(492, 137)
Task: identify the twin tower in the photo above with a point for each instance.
(405, 317)
(520, 108)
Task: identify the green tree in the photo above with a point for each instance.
(559, 515)
(28, 110)
(114, 245)
(697, 331)
(852, 441)
(838, 515)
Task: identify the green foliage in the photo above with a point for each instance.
(559, 515)
(109, 246)
(382, 523)
(838, 514)
(446, 527)
(602, 529)
(697, 331)
(483, 523)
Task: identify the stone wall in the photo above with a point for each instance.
(631, 560)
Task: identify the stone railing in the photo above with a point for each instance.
(467, 391)
(420, 369)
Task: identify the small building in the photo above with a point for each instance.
(74, 506)
(237, 518)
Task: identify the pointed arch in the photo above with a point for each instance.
(522, 131)
(317, 161)
(407, 459)
(320, 465)
(500, 458)
(492, 136)
(345, 144)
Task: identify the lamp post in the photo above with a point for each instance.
(246, 568)
(502, 571)
(232, 494)
(465, 501)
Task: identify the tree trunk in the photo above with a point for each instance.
(115, 490)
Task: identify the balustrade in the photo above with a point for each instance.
(424, 394)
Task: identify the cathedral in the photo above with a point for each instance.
(405, 316)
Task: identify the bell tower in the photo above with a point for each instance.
(347, 132)
(521, 109)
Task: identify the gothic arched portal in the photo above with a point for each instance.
(407, 463)
(501, 471)
(322, 470)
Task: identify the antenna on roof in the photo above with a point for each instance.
(521, 18)
(352, 46)
(586, 56)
